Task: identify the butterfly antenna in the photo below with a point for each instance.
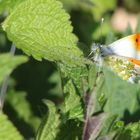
(93, 51)
(101, 24)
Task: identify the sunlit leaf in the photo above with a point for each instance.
(7, 130)
(41, 28)
(8, 5)
(73, 103)
(49, 127)
(130, 132)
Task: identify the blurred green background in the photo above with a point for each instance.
(34, 81)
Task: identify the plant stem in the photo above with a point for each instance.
(5, 82)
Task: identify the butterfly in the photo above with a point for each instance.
(127, 48)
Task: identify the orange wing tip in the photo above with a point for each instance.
(134, 61)
(136, 40)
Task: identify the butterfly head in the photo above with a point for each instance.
(99, 51)
(95, 53)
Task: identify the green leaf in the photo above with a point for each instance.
(72, 102)
(41, 28)
(8, 63)
(8, 130)
(96, 84)
(55, 79)
(109, 126)
(73, 82)
(70, 130)
(2, 40)
(77, 74)
(48, 129)
(130, 132)
(8, 5)
(121, 95)
(92, 75)
(19, 103)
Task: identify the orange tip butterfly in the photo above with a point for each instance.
(127, 47)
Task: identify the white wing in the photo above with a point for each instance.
(127, 47)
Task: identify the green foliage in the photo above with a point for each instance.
(121, 95)
(8, 5)
(8, 63)
(101, 6)
(106, 29)
(49, 126)
(110, 128)
(130, 132)
(70, 130)
(22, 107)
(44, 33)
(69, 4)
(91, 102)
(75, 4)
(132, 5)
(7, 130)
(77, 74)
(72, 104)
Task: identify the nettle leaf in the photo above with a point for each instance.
(8, 5)
(17, 100)
(70, 130)
(41, 28)
(92, 75)
(130, 132)
(8, 62)
(72, 104)
(77, 74)
(8, 130)
(110, 128)
(48, 129)
(121, 95)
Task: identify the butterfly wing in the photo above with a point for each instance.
(127, 47)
